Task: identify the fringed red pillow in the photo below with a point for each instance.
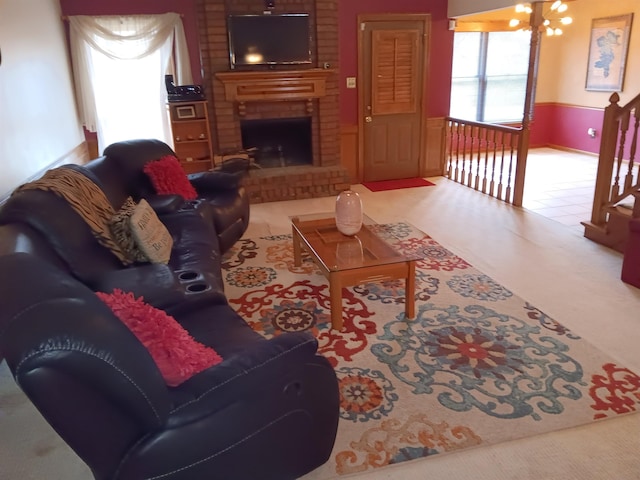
(168, 177)
(177, 355)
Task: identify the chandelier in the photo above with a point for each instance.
(552, 21)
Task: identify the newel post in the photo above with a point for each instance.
(535, 22)
(608, 142)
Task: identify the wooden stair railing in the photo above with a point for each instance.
(486, 157)
(618, 175)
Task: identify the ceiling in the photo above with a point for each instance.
(495, 20)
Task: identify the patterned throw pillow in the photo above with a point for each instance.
(122, 234)
(175, 352)
(140, 233)
(169, 178)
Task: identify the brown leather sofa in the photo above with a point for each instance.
(269, 410)
(121, 171)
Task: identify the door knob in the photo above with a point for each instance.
(368, 119)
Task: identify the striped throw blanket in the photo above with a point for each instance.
(86, 199)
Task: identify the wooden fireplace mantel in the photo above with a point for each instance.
(271, 85)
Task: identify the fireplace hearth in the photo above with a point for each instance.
(278, 142)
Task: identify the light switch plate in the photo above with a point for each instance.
(351, 82)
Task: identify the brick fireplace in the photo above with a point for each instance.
(277, 94)
(278, 142)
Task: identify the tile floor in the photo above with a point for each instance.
(559, 185)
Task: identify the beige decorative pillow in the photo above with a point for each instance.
(151, 236)
(140, 233)
(122, 234)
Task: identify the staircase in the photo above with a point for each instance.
(617, 192)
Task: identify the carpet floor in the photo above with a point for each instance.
(477, 366)
(384, 185)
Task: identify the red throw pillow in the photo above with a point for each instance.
(177, 355)
(168, 177)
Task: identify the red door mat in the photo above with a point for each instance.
(397, 184)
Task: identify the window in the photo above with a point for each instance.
(489, 76)
(130, 98)
(119, 64)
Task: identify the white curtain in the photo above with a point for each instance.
(119, 64)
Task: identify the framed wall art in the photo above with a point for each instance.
(608, 49)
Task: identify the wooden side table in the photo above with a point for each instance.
(191, 135)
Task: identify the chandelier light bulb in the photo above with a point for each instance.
(549, 19)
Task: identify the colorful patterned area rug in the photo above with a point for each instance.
(478, 365)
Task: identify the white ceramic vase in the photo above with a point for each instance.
(348, 212)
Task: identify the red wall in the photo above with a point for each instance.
(566, 126)
(441, 53)
(138, 7)
(439, 88)
(553, 124)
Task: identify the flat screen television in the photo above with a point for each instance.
(269, 39)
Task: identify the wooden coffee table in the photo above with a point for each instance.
(347, 261)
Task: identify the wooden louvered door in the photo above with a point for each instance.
(392, 67)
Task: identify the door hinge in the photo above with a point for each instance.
(362, 26)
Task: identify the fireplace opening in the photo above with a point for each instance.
(278, 142)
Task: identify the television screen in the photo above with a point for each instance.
(269, 39)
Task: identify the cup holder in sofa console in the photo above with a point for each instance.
(188, 276)
(191, 205)
(192, 281)
(197, 287)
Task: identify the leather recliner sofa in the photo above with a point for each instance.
(122, 165)
(269, 410)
